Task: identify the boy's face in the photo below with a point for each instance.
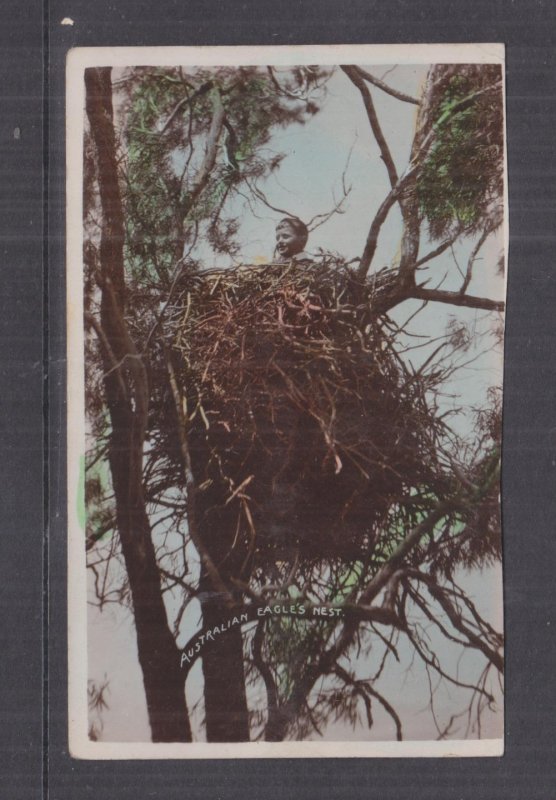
(288, 242)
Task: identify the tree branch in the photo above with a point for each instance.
(191, 488)
(438, 250)
(364, 686)
(457, 621)
(474, 253)
(403, 549)
(456, 299)
(385, 88)
(355, 77)
(211, 150)
(186, 101)
(269, 682)
(377, 223)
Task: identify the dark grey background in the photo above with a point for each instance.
(528, 770)
(21, 383)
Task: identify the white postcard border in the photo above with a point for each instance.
(78, 60)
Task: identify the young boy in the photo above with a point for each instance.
(291, 238)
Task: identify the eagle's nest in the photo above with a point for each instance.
(304, 428)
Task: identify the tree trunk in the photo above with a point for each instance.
(126, 389)
(226, 713)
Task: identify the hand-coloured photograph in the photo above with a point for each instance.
(286, 282)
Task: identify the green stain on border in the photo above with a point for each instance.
(81, 511)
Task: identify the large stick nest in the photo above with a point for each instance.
(304, 427)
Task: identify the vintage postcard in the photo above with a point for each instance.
(286, 283)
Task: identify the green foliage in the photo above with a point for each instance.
(294, 644)
(167, 122)
(153, 192)
(462, 178)
(99, 503)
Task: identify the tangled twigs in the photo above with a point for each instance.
(304, 427)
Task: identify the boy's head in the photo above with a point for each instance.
(291, 237)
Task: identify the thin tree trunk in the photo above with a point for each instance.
(226, 713)
(126, 391)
